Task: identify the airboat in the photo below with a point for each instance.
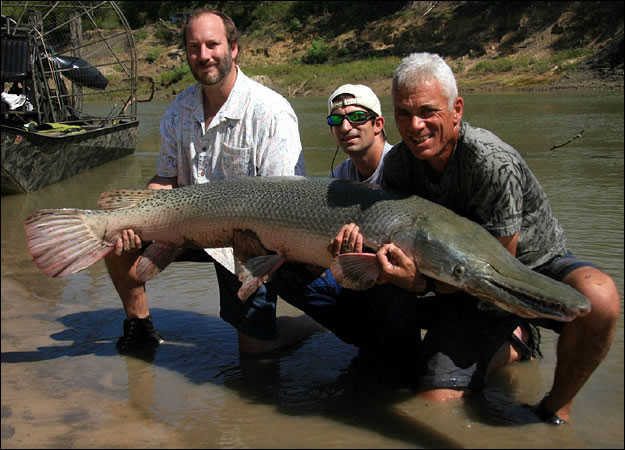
(69, 97)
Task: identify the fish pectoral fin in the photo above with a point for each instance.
(358, 271)
(255, 272)
(154, 259)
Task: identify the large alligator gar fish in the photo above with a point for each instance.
(295, 218)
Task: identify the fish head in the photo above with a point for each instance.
(437, 259)
(477, 263)
(527, 293)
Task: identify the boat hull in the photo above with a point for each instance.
(33, 160)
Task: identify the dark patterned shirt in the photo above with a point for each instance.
(487, 181)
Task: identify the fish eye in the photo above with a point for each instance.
(459, 270)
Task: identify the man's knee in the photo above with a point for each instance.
(600, 290)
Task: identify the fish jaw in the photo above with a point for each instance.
(531, 295)
(494, 275)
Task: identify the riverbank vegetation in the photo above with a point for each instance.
(303, 48)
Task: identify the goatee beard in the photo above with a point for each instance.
(223, 69)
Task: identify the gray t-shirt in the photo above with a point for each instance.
(487, 181)
(348, 171)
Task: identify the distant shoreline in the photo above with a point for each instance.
(580, 81)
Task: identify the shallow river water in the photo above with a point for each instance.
(64, 384)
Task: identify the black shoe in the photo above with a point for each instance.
(140, 338)
(547, 416)
(499, 409)
(543, 414)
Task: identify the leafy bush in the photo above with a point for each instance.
(497, 65)
(165, 36)
(318, 53)
(563, 58)
(152, 55)
(542, 66)
(175, 75)
(108, 20)
(571, 53)
(295, 25)
(569, 60)
(140, 35)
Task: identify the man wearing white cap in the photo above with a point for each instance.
(356, 122)
(381, 321)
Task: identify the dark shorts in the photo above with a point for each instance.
(381, 318)
(461, 337)
(386, 321)
(458, 347)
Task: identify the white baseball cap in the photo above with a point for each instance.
(363, 96)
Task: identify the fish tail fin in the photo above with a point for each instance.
(63, 241)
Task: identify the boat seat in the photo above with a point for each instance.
(14, 60)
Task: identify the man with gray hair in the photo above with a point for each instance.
(477, 175)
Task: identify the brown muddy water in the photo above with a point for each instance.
(65, 386)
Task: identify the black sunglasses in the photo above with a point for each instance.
(354, 117)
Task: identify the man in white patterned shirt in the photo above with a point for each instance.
(225, 126)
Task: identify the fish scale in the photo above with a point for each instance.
(296, 218)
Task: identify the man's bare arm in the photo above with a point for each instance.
(162, 182)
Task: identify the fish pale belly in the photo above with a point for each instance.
(297, 245)
(294, 244)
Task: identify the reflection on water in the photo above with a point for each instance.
(63, 383)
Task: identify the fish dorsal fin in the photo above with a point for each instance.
(123, 198)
